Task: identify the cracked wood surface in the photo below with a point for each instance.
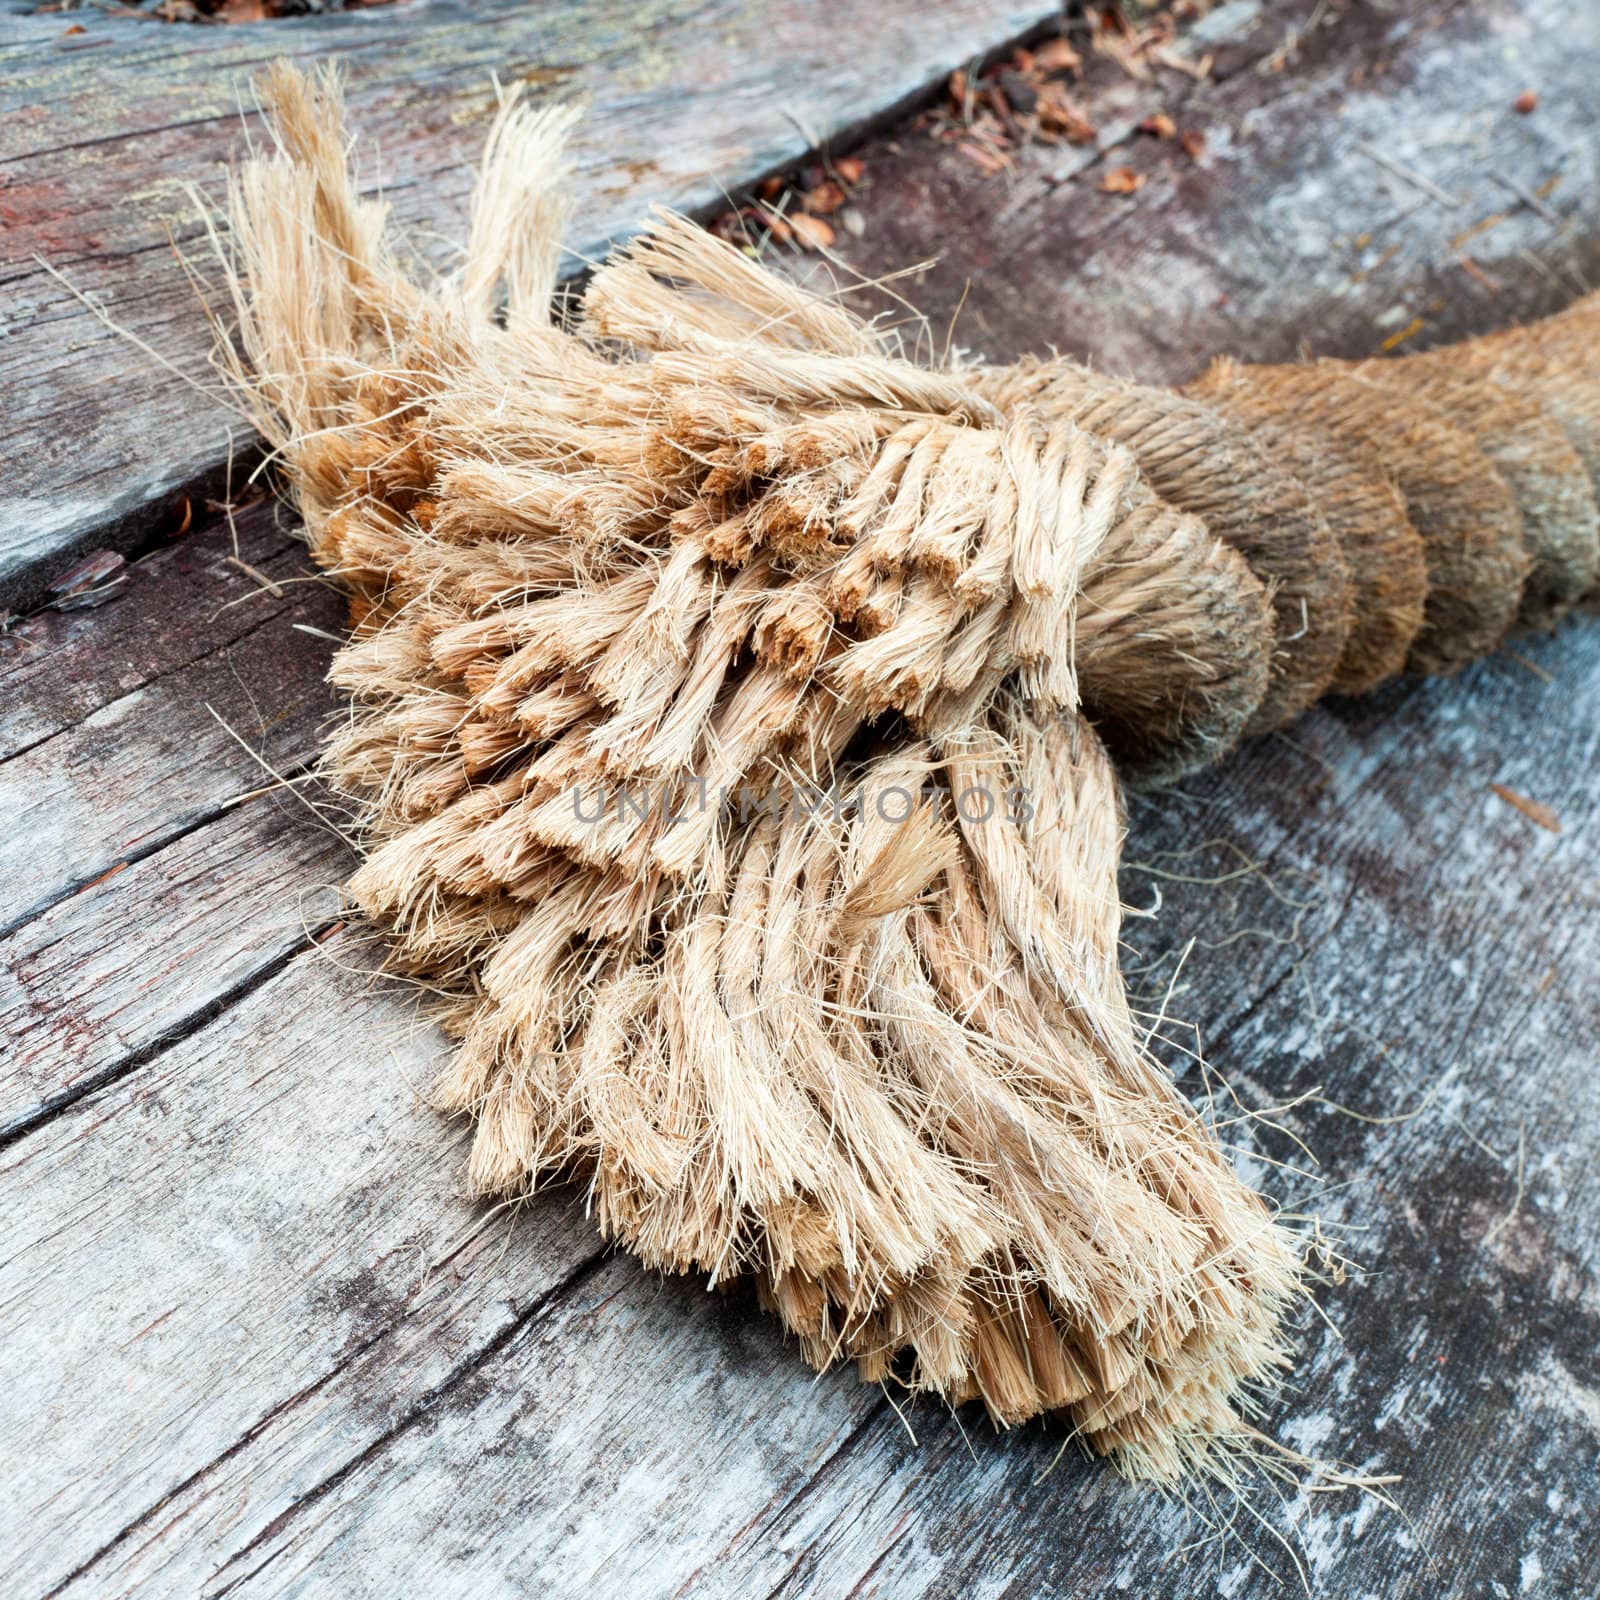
(104, 130)
(159, 754)
(256, 1341)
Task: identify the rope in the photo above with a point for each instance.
(730, 712)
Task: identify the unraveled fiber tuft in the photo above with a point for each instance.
(730, 708)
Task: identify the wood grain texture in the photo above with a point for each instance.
(264, 1361)
(142, 890)
(100, 980)
(1294, 230)
(59, 666)
(105, 130)
(161, 758)
(257, 1343)
(267, 1205)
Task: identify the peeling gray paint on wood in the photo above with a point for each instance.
(257, 1342)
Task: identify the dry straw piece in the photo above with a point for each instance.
(730, 704)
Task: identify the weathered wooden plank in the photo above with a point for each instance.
(155, 760)
(142, 952)
(204, 1250)
(1443, 978)
(1293, 230)
(624, 1437)
(180, 602)
(104, 978)
(322, 1422)
(103, 130)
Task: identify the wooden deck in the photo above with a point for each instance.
(254, 1340)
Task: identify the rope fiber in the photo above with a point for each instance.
(736, 713)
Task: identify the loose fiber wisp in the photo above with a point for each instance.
(736, 711)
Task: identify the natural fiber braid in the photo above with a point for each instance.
(1462, 509)
(1528, 447)
(1454, 495)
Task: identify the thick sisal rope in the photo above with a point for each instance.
(730, 705)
